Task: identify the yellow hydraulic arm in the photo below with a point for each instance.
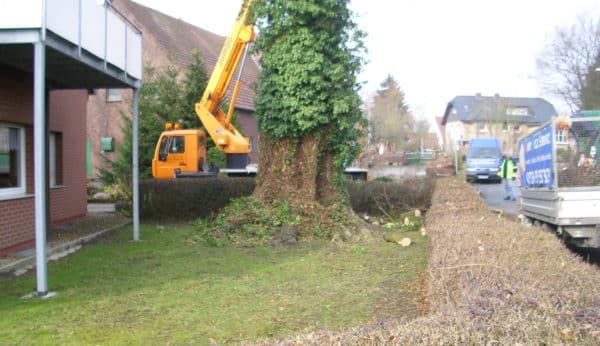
(216, 122)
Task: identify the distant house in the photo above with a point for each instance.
(166, 40)
(506, 118)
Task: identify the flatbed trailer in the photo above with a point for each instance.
(560, 179)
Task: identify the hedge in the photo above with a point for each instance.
(381, 197)
(181, 200)
(189, 198)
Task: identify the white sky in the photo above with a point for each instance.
(435, 49)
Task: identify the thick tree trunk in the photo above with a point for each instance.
(295, 170)
(301, 172)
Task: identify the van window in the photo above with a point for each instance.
(483, 152)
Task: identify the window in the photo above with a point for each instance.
(12, 160)
(517, 111)
(201, 142)
(177, 144)
(483, 128)
(562, 136)
(113, 95)
(55, 159)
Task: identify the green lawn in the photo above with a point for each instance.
(166, 289)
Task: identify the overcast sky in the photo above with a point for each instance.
(435, 49)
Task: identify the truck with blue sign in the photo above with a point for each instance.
(560, 178)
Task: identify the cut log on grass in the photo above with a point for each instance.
(405, 242)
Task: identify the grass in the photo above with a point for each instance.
(166, 289)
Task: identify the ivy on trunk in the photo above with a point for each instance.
(307, 105)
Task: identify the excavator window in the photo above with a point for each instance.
(163, 151)
(177, 144)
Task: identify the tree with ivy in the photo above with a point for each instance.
(307, 103)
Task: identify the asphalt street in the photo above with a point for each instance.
(493, 194)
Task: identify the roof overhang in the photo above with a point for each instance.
(67, 66)
(87, 45)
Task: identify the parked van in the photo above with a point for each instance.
(483, 159)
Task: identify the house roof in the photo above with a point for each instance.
(180, 39)
(478, 108)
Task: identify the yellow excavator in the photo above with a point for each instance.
(182, 152)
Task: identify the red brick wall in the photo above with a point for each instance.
(16, 106)
(67, 113)
(249, 128)
(17, 222)
(68, 117)
(104, 120)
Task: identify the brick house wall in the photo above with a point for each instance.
(67, 113)
(250, 129)
(68, 200)
(105, 121)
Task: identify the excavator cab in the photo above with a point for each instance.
(181, 153)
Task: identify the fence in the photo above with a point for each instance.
(576, 145)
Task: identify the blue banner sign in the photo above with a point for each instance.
(535, 159)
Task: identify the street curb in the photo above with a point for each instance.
(57, 251)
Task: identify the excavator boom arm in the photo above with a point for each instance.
(216, 122)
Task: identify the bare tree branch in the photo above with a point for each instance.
(564, 64)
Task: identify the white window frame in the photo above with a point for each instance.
(113, 95)
(518, 111)
(562, 136)
(484, 129)
(52, 158)
(8, 192)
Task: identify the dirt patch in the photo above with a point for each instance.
(89, 224)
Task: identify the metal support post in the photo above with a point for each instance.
(135, 165)
(40, 183)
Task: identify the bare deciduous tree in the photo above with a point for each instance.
(565, 62)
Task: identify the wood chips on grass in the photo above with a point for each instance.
(491, 281)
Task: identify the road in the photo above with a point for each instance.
(493, 194)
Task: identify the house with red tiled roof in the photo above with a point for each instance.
(166, 40)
